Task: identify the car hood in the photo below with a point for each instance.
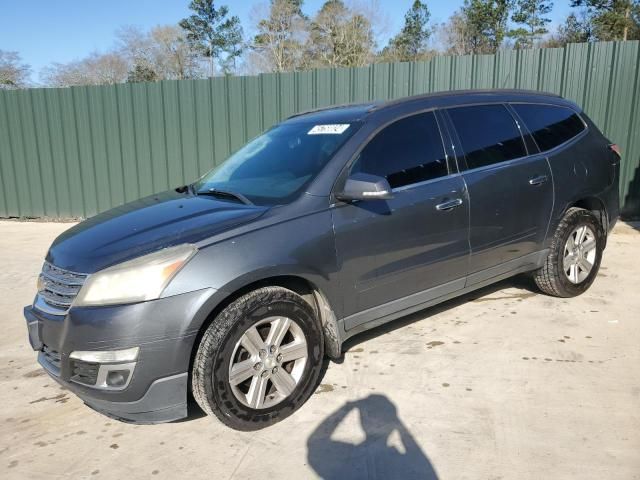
(145, 226)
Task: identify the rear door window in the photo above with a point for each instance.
(408, 151)
(549, 125)
(488, 134)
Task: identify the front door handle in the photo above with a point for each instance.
(539, 180)
(449, 205)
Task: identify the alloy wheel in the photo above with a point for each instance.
(268, 362)
(579, 254)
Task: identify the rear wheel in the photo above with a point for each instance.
(259, 360)
(574, 256)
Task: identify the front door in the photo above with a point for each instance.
(511, 194)
(401, 252)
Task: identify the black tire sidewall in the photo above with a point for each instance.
(243, 314)
(577, 219)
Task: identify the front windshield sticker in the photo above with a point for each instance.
(334, 129)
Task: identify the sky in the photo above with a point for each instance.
(46, 31)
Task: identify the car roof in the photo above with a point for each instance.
(359, 111)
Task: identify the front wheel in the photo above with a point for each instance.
(574, 256)
(259, 360)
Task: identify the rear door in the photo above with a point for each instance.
(577, 160)
(389, 250)
(510, 192)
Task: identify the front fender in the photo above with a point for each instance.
(301, 247)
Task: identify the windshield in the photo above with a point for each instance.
(275, 167)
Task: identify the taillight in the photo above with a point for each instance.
(615, 149)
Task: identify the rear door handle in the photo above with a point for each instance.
(449, 205)
(539, 180)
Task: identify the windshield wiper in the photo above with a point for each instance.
(215, 192)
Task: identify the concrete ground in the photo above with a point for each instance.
(503, 383)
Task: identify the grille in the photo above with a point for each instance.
(84, 372)
(52, 358)
(58, 288)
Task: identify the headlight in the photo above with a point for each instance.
(137, 280)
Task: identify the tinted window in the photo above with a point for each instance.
(488, 134)
(407, 151)
(549, 125)
(275, 167)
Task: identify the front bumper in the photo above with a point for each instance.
(164, 330)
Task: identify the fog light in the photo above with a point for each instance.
(117, 378)
(103, 376)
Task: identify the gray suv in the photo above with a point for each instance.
(233, 289)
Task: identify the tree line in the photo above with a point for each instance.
(211, 41)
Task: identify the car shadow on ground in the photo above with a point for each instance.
(387, 451)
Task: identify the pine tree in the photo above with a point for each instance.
(486, 24)
(411, 43)
(215, 35)
(574, 30)
(613, 19)
(530, 14)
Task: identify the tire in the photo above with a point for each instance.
(552, 278)
(222, 346)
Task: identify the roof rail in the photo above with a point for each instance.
(376, 105)
(371, 106)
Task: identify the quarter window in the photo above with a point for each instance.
(488, 134)
(407, 151)
(550, 125)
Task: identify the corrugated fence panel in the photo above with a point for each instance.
(528, 69)
(630, 180)
(237, 126)
(30, 155)
(288, 95)
(158, 137)
(506, 69)
(126, 132)
(576, 72)
(551, 70)
(323, 89)
(67, 129)
(381, 73)
(78, 151)
(441, 69)
(188, 131)
(360, 84)
(342, 78)
(420, 77)
(484, 71)
(597, 87)
(622, 108)
(11, 205)
(462, 73)
(400, 80)
(113, 145)
(141, 138)
(219, 108)
(204, 123)
(44, 150)
(304, 89)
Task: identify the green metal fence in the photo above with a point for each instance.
(74, 152)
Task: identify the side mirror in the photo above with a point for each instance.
(364, 186)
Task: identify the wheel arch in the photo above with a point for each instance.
(595, 206)
(302, 286)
